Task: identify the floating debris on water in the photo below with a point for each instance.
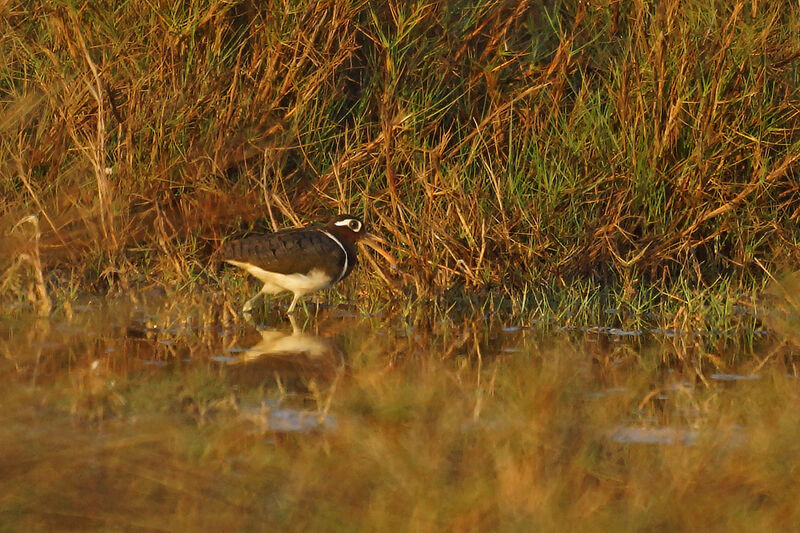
(287, 420)
(734, 377)
(224, 359)
(654, 435)
(513, 349)
(625, 333)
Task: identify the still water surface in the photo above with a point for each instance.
(127, 415)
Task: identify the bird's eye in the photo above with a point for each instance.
(355, 225)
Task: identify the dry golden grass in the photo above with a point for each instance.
(500, 146)
(612, 162)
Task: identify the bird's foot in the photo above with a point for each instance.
(248, 306)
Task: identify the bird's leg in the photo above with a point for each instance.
(248, 306)
(293, 321)
(294, 302)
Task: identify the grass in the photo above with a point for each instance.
(430, 430)
(498, 146)
(559, 164)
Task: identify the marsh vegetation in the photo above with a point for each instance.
(147, 416)
(593, 318)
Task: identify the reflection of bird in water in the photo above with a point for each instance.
(278, 343)
(290, 357)
(296, 345)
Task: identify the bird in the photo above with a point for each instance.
(300, 260)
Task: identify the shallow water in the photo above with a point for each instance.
(129, 416)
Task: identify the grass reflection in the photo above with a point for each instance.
(393, 428)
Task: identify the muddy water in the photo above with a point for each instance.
(124, 416)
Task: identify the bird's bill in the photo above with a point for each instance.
(374, 242)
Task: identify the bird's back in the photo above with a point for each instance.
(290, 251)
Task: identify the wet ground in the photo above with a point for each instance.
(122, 415)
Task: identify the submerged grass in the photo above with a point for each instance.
(504, 148)
(461, 427)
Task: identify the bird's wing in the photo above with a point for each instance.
(286, 252)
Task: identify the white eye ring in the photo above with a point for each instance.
(351, 223)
